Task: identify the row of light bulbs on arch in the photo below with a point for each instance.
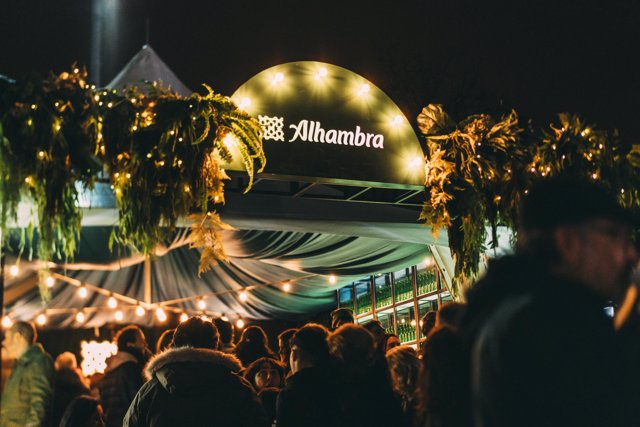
(80, 317)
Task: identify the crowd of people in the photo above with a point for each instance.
(531, 346)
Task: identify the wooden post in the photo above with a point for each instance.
(147, 279)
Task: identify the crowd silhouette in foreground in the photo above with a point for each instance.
(532, 346)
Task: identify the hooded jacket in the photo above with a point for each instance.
(26, 397)
(122, 380)
(195, 387)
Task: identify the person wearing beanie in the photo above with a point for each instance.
(193, 384)
(542, 351)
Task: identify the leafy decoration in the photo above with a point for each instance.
(161, 154)
(478, 170)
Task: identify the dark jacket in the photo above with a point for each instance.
(195, 387)
(68, 385)
(542, 351)
(122, 380)
(26, 398)
(310, 398)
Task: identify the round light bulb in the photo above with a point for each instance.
(286, 287)
(332, 279)
(112, 302)
(80, 317)
(41, 319)
(50, 281)
(201, 304)
(161, 315)
(184, 317)
(240, 323)
(413, 323)
(243, 296)
(140, 311)
(119, 316)
(82, 292)
(14, 271)
(427, 262)
(7, 322)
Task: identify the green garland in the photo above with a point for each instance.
(160, 151)
(479, 169)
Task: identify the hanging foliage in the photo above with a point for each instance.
(469, 180)
(478, 170)
(160, 152)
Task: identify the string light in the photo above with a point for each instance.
(82, 292)
(201, 304)
(286, 287)
(413, 323)
(240, 323)
(49, 281)
(427, 262)
(14, 271)
(161, 315)
(184, 317)
(277, 79)
(119, 316)
(41, 319)
(363, 89)
(7, 322)
(332, 279)
(243, 296)
(112, 302)
(80, 317)
(140, 311)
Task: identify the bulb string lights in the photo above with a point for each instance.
(123, 307)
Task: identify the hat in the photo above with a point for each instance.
(561, 200)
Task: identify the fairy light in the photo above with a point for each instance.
(14, 271)
(82, 292)
(413, 323)
(277, 79)
(161, 315)
(140, 311)
(427, 262)
(363, 89)
(41, 154)
(240, 323)
(112, 302)
(332, 279)
(7, 322)
(41, 319)
(205, 318)
(80, 318)
(49, 281)
(243, 296)
(202, 304)
(119, 316)
(397, 121)
(286, 287)
(184, 317)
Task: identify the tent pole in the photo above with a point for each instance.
(147, 279)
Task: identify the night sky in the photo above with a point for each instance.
(539, 57)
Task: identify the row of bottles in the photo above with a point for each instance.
(404, 289)
(426, 282)
(363, 303)
(383, 296)
(406, 332)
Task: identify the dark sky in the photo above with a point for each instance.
(539, 57)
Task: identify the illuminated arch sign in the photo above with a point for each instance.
(324, 123)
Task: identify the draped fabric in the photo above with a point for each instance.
(263, 254)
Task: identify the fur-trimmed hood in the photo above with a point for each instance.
(191, 355)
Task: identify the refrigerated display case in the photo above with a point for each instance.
(345, 297)
(403, 284)
(382, 285)
(387, 319)
(426, 281)
(363, 296)
(395, 300)
(406, 322)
